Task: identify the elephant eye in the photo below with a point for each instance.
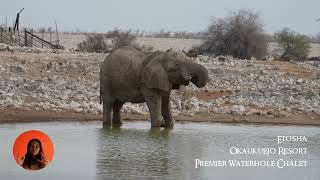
(174, 67)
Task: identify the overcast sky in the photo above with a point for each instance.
(153, 15)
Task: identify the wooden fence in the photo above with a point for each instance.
(28, 39)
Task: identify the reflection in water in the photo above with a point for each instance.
(136, 153)
(145, 152)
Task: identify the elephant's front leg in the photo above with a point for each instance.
(116, 120)
(153, 101)
(107, 110)
(166, 111)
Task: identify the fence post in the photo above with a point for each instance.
(11, 37)
(1, 34)
(32, 38)
(57, 42)
(18, 38)
(25, 38)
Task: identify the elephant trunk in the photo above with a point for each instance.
(199, 74)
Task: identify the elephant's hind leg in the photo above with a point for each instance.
(116, 120)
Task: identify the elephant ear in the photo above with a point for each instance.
(154, 76)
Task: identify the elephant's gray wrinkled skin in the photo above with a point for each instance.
(128, 75)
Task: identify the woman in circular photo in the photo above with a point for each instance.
(34, 158)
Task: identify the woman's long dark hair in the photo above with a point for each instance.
(28, 160)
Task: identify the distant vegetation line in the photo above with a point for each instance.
(161, 34)
(170, 34)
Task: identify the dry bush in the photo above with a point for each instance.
(93, 43)
(98, 42)
(168, 34)
(125, 38)
(120, 38)
(240, 35)
(293, 46)
(42, 30)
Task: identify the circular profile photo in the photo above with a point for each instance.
(33, 150)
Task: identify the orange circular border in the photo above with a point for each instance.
(21, 142)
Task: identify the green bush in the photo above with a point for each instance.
(293, 46)
(240, 35)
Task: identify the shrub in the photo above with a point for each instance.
(187, 35)
(293, 46)
(97, 43)
(93, 43)
(125, 38)
(120, 38)
(42, 30)
(240, 35)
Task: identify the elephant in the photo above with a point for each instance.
(129, 75)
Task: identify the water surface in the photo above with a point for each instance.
(85, 150)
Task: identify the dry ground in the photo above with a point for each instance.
(289, 69)
(205, 95)
(292, 70)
